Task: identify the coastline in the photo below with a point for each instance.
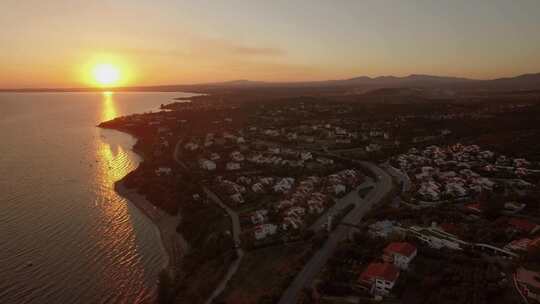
(171, 241)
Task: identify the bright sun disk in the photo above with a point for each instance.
(106, 74)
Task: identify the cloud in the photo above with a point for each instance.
(154, 52)
(206, 48)
(258, 51)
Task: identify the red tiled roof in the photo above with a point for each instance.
(528, 277)
(521, 243)
(535, 242)
(522, 224)
(449, 228)
(403, 248)
(385, 271)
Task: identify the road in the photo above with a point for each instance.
(351, 197)
(307, 275)
(355, 149)
(235, 221)
(236, 230)
(401, 176)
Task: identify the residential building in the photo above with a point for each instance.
(208, 165)
(523, 225)
(436, 238)
(400, 254)
(232, 166)
(528, 283)
(264, 230)
(237, 198)
(163, 171)
(379, 278)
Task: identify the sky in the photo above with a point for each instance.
(55, 43)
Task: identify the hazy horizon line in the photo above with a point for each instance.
(150, 86)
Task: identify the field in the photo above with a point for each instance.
(264, 273)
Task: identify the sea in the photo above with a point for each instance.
(65, 235)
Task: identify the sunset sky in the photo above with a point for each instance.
(55, 43)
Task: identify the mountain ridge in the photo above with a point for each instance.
(523, 81)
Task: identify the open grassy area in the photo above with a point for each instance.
(201, 282)
(265, 273)
(211, 251)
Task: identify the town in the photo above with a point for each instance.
(328, 199)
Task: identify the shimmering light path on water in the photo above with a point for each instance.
(67, 237)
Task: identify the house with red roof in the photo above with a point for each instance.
(535, 243)
(527, 283)
(379, 278)
(450, 228)
(518, 246)
(400, 254)
(523, 225)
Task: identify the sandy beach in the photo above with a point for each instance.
(173, 243)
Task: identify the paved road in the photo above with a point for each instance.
(235, 230)
(307, 275)
(400, 175)
(351, 197)
(232, 214)
(355, 149)
(236, 237)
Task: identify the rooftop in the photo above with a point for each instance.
(403, 248)
(384, 271)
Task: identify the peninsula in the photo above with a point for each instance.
(266, 195)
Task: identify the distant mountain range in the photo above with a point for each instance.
(527, 81)
(521, 82)
(414, 80)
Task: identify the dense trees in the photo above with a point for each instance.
(456, 279)
(492, 203)
(165, 288)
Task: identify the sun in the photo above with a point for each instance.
(106, 74)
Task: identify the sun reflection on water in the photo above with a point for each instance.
(109, 107)
(114, 162)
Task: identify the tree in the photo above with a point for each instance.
(491, 204)
(307, 295)
(533, 253)
(165, 286)
(318, 240)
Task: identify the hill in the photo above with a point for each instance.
(521, 82)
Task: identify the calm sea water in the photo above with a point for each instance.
(65, 235)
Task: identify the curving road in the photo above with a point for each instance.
(236, 230)
(400, 175)
(236, 237)
(307, 275)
